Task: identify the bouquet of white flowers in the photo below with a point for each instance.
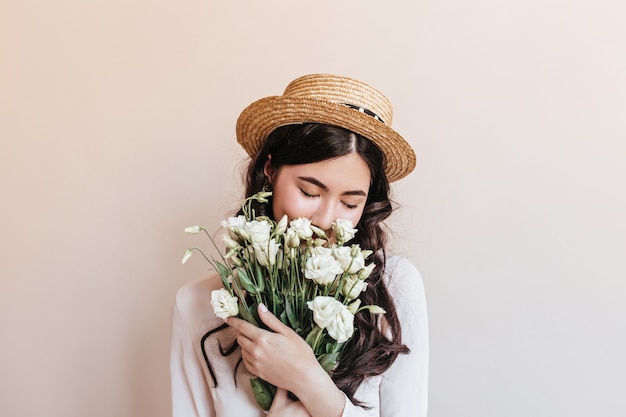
(309, 281)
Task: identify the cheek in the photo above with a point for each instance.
(291, 205)
(354, 216)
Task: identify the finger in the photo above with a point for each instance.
(249, 365)
(235, 323)
(271, 320)
(245, 343)
(244, 328)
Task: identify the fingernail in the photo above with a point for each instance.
(262, 308)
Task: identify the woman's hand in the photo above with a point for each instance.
(281, 358)
(285, 360)
(283, 406)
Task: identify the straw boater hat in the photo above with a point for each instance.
(332, 100)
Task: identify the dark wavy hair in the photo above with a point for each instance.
(369, 352)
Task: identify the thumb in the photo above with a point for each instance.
(271, 320)
(279, 401)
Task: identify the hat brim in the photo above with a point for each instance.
(263, 116)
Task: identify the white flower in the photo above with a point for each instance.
(322, 269)
(342, 327)
(193, 229)
(234, 222)
(332, 315)
(351, 261)
(302, 226)
(344, 230)
(235, 226)
(259, 231)
(353, 287)
(224, 304)
(320, 251)
(265, 253)
(324, 309)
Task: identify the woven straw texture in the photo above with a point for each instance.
(321, 98)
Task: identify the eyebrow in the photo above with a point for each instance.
(323, 186)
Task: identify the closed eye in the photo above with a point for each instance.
(307, 195)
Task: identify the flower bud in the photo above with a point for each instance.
(230, 243)
(352, 287)
(319, 232)
(187, 255)
(354, 306)
(281, 226)
(232, 253)
(262, 196)
(291, 239)
(265, 253)
(280, 257)
(319, 242)
(373, 309)
(367, 271)
(243, 234)
(193, 229)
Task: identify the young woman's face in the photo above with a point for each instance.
(322, 191)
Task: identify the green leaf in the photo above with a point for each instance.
(246, 282)
(314, 337)
(334, 347)
(328, 360)
(224, 272)
(291, 315)
(263, 392)
(260, 278)
(276, 301)
(247, 315)
(259, 275)
(283, 318)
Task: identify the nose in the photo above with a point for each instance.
(324, 216)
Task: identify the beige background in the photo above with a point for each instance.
(117, 130)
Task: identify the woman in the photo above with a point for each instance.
(327, 151)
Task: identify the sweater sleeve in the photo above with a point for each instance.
(190, 392)
(403, 389)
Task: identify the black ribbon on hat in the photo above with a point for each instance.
(366, 111)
